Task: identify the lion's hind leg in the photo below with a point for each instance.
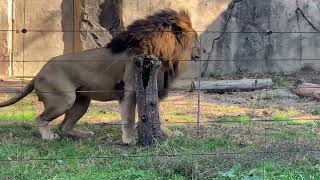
(55, 106)
(73, 115)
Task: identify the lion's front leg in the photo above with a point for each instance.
(127, 110)
(165, 131)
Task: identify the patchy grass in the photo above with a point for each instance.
(24, 156)
(315, 112)
(103, 115)
(230, 147)
(23, 114)
(178, 115)
(272, 170)
(242, 119)
(100, 157)
(286, 134)
(291, 117)
(282, 117)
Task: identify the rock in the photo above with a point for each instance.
(259, 51)
(93, 35)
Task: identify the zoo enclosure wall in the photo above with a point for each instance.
(245, 46)
(253, 37)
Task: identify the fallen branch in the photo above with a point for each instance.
(222, 86)
(308, 90)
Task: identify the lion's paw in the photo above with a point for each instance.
(74, 133)
(50, 136)
(129, 142)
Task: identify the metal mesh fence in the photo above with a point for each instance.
(225, 130)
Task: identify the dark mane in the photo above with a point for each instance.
(140, 33)
(168, 35)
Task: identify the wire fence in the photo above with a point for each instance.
(200, 105)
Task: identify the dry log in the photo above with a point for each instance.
(308, 90)
(12, 86)
(222, 86)
(149, 130)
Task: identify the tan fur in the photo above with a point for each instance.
(67, 83)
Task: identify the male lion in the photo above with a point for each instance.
(67, 83)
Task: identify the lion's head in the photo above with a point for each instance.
(167, 34)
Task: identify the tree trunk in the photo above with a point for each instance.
(149, 130)
(308, 90)
(223, 86)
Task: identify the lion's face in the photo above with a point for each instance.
(188, 47)
(196, 51)
(191, 50)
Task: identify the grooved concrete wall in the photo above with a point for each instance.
(292, 45)
(4, 41)
(49, 24)
(203, 13)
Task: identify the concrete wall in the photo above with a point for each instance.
(136, 9)
(293, 45)
(4, 39)
(203, 13)
(223, 53)
(49, 33)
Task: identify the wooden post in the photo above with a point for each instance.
(147, 99)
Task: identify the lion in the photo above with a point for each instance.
(66, 84)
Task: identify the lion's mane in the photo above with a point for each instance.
(166, 34)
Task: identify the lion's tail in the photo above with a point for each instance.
(27, 90)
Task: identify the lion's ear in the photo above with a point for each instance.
(184, 13)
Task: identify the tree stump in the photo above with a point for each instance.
(149, 130)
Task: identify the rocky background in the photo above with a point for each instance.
(237, 36)
(264, 36)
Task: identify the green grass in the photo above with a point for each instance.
(100, 158)
(242, 119)
(286, 118)
(178, 115)
(29, 157)
(212, 155)
(72, 158)
(271, 170)
(282, 117)
(26, 114)
(293, 134)
(104, 115)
